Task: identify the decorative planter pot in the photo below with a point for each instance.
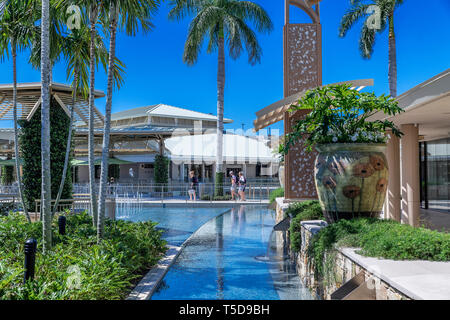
(351, 180)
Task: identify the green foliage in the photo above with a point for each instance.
(378, 238)
(161, 169)
(7, 175)
(302, 211)
(277, 193)
(208, 197)
(107, 270)
(30, 149)
(6, 208)
(339, 115)
(359, 11)
(218, 20)
(218, 185)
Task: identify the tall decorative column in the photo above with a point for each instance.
(392, 205)
(410, 175)
(302, 64)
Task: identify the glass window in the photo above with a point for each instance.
(437, 179)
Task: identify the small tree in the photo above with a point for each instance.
(161, 172)
(7, 175)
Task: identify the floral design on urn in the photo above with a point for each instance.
(355, 189)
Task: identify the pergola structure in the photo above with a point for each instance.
(29, 101)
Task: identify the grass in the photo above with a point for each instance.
(379, 238)
(277, 193)
(208, 197)
(302, 211)
(77, 268)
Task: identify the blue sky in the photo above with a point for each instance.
(156, 73)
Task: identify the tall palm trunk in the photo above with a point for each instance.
(107, 126)
(16, 140)
(220, 103)
(45, 128)
(392, 58)
(91, 146)
(68, 144)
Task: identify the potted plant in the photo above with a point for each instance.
(351, 173)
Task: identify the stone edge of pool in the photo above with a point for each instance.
(148, 285)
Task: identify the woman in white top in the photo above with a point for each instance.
(242, 184)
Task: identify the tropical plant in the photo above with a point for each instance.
(76, 51)
(17, 19)
(223, 22)
(108, 270)
(377, 15)
(340, 115)
(122, 15)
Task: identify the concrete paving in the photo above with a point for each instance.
(420, 280)
(435, 220)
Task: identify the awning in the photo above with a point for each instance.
(275, 112)
(9, 162)
(98, 162)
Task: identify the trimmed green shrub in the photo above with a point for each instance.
(208, 197)
(218, 187)
(277, 193)
(378, 238)
(30, 150)
(161, 171)
(108, 270)
(302, 211)
(7, 175)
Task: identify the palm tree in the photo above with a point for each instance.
(76, 51)
(371, 11)
(224, 22)
(123, 15)
(16, 25)
(45, 126)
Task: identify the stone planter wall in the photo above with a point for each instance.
(344, 270)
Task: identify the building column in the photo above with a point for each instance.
(392, 205)
(410, 175)
(203, 172)
(182, 172)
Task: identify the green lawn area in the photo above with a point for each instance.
(105, 271)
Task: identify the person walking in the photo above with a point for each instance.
(192, 186)
(233, 186)
(242, 184)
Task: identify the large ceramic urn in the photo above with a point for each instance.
(351, 180)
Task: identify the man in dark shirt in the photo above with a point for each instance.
(193, 182)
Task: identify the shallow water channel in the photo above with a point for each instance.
(229, 254)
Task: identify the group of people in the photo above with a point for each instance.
(237, 184)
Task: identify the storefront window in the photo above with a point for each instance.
(435, 175)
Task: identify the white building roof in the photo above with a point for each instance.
(166, 111)
(236, 148)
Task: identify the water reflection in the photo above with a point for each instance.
(219, 261)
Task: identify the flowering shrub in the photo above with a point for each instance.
(339, 115)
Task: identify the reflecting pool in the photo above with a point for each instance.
(229, 257)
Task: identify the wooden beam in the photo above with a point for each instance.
(63, 106)
(36, 106)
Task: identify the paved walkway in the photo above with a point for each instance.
(435, 220)
(420, 280)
